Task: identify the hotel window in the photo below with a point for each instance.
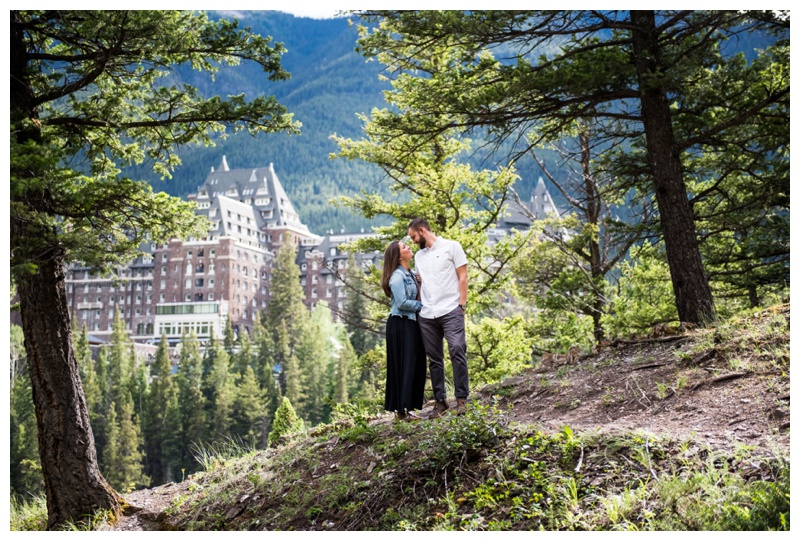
(198, 282)
(211, 296)
(189, 254)
(187, 283)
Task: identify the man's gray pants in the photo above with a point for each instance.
(451, 328)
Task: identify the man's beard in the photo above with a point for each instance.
(421, 242)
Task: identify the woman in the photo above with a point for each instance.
(405, 354)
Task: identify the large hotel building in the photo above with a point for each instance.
(196, 284)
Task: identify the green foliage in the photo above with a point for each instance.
(286, 301)
(497, 349)
(452, 439)
(219, 389)
(218, 454)
(25, 470)
(286, 422)
(156, 426)
(191, 401)
(422, 157)
(644, 295)
(249, 415)
(356, 308)
(710, 499)
(28, 515)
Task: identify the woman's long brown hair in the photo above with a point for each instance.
(391, 260)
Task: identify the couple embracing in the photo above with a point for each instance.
(427, 307)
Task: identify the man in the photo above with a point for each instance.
(441, 266)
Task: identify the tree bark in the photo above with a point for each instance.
(74, 486)
(593, 218)
(692, 292)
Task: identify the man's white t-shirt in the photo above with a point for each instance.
(437, 265)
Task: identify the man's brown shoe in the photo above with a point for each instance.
(461, 407)
(438, 409)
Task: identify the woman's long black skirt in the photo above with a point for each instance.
(405, 365)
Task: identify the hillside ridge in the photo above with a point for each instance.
(704, 393)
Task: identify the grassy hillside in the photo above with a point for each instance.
(680, 432)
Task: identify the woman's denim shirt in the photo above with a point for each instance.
(404, 294)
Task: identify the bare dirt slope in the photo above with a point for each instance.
(725, 387)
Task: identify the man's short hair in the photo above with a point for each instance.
(416, 223)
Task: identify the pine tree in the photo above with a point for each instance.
(229, 338)
(89, 377)
(293, 378)
(355, 308)
(221, 385)
(190, 399)
(286, 422)
(99, 418)
(111, 450)
(25, 470)
(161, 390)
(249, 411)
(244, 357)
(172, 444)
(344, 376)
(286, 301)
(283, 353)
(264, 360)
(120, 362)
(314, 354)
(130, 468)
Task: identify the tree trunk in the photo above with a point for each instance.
(593, 217)
(74, 486)
(689, 281)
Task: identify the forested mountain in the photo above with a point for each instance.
(330, 84)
